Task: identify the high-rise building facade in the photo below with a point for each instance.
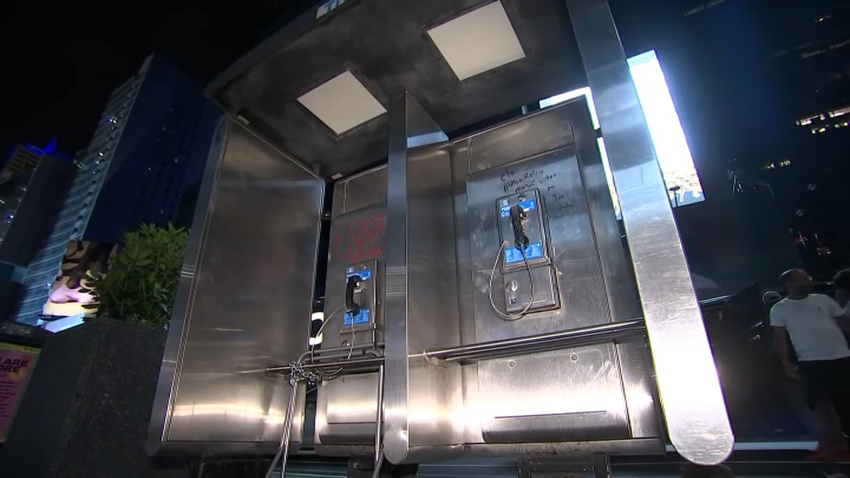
(14, 178)
(33, 189)
(163, 147)
(150, 143)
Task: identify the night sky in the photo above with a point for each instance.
(62, 62)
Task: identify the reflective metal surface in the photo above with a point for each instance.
(347, 406)
(435, 391)
(557, 396)
(525, 402)
(689, 388)
(243, 302)
(638, 385)
(407, 120)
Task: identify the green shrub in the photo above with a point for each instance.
(142, 281)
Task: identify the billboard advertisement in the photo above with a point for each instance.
(16, 365)
(72, 290)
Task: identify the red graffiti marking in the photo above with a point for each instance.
(362, 239)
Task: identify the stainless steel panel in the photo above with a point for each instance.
(568, 395)
(346, 409)
(360, 191)
(406, 120)
(573, 250)
(261, 222)
(638, 385)
(487, 151)
(687, 379)
(347, 406)
(572, 399)
(436, 393)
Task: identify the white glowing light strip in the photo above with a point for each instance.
(671, 147)
(665, 129)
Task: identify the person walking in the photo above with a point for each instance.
(812, 323)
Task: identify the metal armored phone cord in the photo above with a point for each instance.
(506, 315)
(297, 374)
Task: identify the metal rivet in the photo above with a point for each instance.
(511, 364)
(574, 357)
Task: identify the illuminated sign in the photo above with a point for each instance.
(16, 365)
(72, 290)
(665, 129)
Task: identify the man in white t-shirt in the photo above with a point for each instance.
(811, 321)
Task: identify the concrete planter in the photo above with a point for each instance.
(87, 407)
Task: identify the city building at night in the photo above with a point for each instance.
(155, 133)
(34, 187)
(149, 146)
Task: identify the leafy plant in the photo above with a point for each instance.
(142, 281)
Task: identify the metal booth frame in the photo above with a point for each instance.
(234, 368)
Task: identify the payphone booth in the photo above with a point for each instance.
(480, 298)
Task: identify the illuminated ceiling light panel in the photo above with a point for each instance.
(665, 129)
(478, 41)
(342, 103)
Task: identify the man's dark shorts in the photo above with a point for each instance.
(826, 379)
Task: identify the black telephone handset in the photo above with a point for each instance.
(351, 284)
(518, 216)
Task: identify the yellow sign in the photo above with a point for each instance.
(16, 366)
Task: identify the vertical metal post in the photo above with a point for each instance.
(379, 423)
(395, 311)
(283, 450)
(687, 378)
(409, 126)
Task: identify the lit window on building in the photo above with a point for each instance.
(807, 120)
(839, 112)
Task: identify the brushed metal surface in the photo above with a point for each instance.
(567, 395)
(688, 386)
(572, 245)
(161, 412)
(346, 410)
(638, 384)
(346, 407)
(406, 120)
(436, 393)
(360, 190)
(578, 398)
(224, 327)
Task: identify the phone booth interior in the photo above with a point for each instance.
(480, 296)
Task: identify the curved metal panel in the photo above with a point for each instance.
(687, 378)
(243, 303)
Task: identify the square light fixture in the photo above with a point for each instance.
(478, 41)
(342, 103)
